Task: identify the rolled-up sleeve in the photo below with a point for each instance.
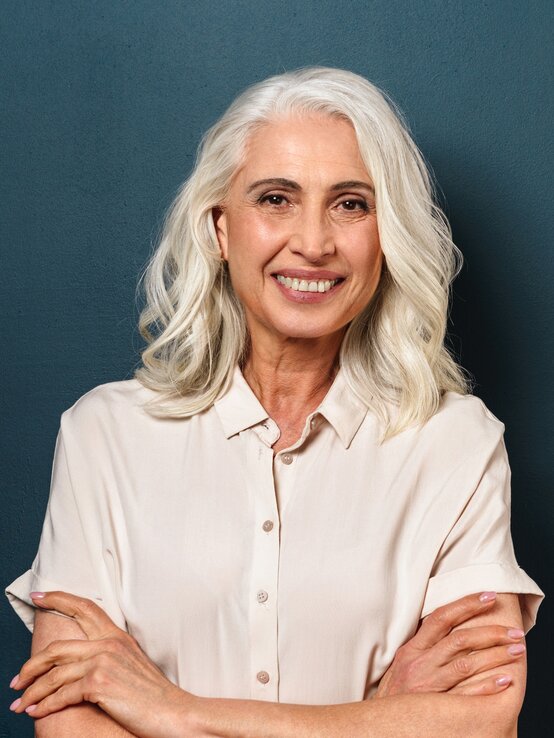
(70, 553)
(478, 553)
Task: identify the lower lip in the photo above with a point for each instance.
(307, 297)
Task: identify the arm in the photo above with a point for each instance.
(403, 716)
(84, 719)
(112, 671)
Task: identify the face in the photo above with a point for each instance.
(299, 230)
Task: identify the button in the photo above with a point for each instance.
(262, 596)
(267, 526)
(263, 677)
(287, 459)
(313, 423)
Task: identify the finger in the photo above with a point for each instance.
(94, 622)
(489, 685)
(49, 683)
(67, 694)
(58, 653)
(466, 640)
(479, 661)
(441, 621)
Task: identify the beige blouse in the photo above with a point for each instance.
(292, 578)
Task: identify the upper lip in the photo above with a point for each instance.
(308, 274)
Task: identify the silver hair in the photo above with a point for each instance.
(393, 354)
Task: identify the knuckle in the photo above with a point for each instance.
(53, 648)
(401, 653)
(61, 696)
(104, 661)
(128, 640)
(410, 671)
(94, 683)
(52, 678)
(458, 640)
(462, 667)
(440, 616)
(413, 677)
(113, 644)
(86, 606)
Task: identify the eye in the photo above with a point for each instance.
(353, 204)
(275, 200)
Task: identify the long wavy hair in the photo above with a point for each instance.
(393, 354)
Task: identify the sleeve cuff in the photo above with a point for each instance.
(452, 585)
(18, 595)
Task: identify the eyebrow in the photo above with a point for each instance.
(275, 182)
(292, 185)
(353, 184)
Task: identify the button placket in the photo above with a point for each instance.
(264, 674)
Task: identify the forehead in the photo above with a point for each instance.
(303, 145)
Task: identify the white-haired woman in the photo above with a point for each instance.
(249, 536)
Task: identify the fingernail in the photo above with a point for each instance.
(30, 708)
(515, 633)
(503, 680)
(36, 595)
(516, 649)
(15, 704)
(14, 681)
(488, 596)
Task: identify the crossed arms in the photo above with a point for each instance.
(441, 714)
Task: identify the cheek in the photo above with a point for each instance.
(254, 239)
(368, 260)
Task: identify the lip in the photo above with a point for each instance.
(309, 275)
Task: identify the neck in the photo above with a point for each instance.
(292, 376)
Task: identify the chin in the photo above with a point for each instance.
(307, 331)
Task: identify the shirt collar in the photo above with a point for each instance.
(239, 408)
(342, 409)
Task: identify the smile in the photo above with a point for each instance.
(304, 285)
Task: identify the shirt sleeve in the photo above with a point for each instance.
(70, 553)
(478, 553)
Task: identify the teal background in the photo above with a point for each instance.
(103, 104)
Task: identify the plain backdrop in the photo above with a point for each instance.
(103, 104)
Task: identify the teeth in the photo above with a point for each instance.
(302, 285)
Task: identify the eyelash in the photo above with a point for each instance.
(363, 206)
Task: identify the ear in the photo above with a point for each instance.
(220, 223)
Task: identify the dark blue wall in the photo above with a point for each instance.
(103, 106)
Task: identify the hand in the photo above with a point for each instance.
(440, 659)
(109, 669)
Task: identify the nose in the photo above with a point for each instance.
(312, 237)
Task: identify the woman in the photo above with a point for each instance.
(297, 477)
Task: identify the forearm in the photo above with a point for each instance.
(83, 720)
(405, 716)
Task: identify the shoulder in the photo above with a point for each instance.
(466, 414)
(462, 429)
(120, 402)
